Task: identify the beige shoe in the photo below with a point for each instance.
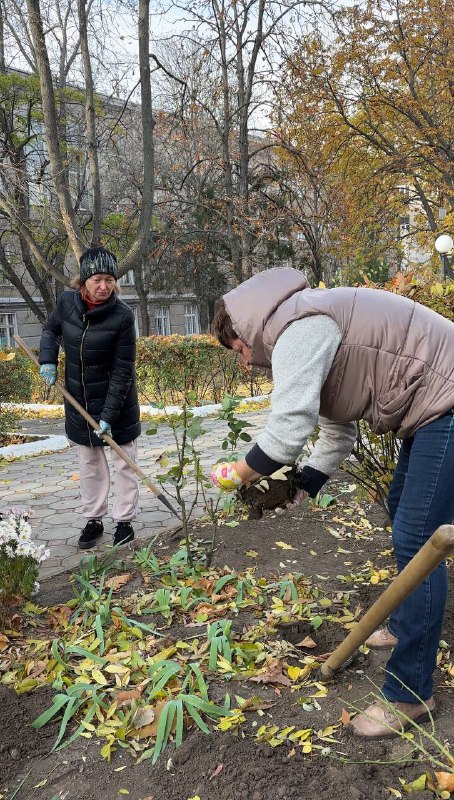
(381, 639)
(379, 721)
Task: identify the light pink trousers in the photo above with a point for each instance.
(95, 483)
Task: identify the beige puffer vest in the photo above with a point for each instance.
(394, 366)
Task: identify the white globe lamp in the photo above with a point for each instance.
(444, 243)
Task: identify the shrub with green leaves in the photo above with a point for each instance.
(20, 381)
(169, 368)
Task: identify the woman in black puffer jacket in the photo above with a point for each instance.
(97, 331)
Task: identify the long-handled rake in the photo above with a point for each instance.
(108, 439)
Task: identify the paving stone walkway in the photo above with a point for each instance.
(49, 485)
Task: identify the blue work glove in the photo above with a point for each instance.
(48, 373)
(104, 427)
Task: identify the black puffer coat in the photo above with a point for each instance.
(100, 350)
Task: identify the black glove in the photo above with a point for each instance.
(310, 480)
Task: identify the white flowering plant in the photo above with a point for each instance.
(20, 558)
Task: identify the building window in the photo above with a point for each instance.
(405, 191)
(404, 224)
(127, 279)
(162, 321)
(191, 319)
(8, 327)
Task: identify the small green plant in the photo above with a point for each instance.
(183, 462)
(146, 560)
(93, 566)
(236, 426)
(219, 635)
(173, 717)
(161, 674)
(20, 559)
(324, 500)
(161, 604)
(67, 704)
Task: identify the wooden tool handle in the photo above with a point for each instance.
(432, 553)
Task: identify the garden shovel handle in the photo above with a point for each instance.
(108, 439)
(432, 553)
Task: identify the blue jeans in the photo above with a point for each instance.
(421, 497)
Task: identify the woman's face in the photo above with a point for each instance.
(242, 349)
(100, 287)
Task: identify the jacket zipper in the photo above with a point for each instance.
(82, 373)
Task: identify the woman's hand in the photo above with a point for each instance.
(104, 427)
(48, 373)
(230, 474)
(299, 497)
(225, 476)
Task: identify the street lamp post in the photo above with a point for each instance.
(444, 244)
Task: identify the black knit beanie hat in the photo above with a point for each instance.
(97, 260)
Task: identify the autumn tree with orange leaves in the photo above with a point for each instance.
(368, 109)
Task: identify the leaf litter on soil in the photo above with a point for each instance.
(122, 677)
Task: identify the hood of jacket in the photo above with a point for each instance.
(251, 306)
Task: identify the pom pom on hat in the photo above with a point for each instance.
(97, 261)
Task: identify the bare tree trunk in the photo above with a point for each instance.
(51, 128)
(244, 90)
(426, 205)
(19, 286)
(140, 245)
(2, 40)
(142, 294)
(234, 244)
(90, 121)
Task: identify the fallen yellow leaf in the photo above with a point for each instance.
(418, 785)
(99, 677)
(296, 673)
(284, 545)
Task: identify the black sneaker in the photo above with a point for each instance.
(124, 533)
(93, 531)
